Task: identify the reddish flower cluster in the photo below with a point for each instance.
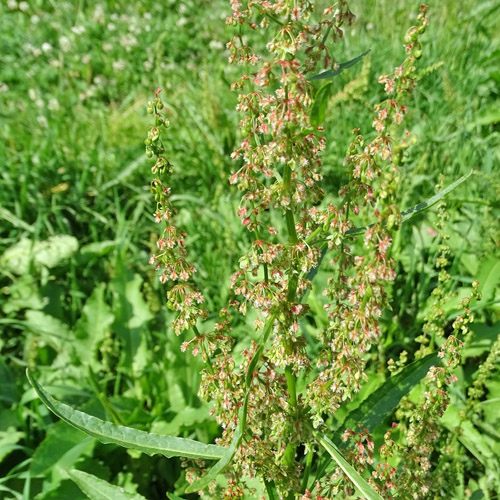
(279, 173)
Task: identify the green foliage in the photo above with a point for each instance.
(79, 301)
(106, 432)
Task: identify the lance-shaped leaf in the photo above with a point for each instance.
(318, 109)
(98, 489)
(363, 487)
(342, 67)
(109, 433)
(381, 403)
(405, 215)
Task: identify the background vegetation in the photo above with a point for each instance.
(79, 301)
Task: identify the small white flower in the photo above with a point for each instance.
(53, 104)
(42, 121)
(46, 47)
(64, 43)
(12, 4)
(78, 30)
(119, 65)
(24, 6)
(3, 87)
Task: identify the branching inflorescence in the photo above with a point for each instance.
(279, 172)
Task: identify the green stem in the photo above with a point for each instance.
(291, 379)
(307, 471)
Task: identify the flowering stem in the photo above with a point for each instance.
(204, 350)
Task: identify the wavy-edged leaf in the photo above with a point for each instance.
(342, 67)
(381, 403)
(109, 433)
(318, 109)
(98, 489)
(364, 488)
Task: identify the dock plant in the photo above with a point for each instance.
(277, 405)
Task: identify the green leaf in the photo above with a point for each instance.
(318, 109)
(471, 438)
(8, 442)
(204, 481)
(173, 496)
(132, 314)
(47, 253)
(406, 215)
(98, 489)
(364, 488)
(106, 432)
(93, 326)
(384, 400)
(62, 445)
(419, 207)
(342, 67)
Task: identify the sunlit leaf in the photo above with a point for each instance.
(359, 483)
(98, 489)
(381, 403)
(142, 441)
(341, 67)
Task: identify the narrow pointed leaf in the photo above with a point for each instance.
(405, 215)
(381, 403)
(318, 109)
(173, 496)
(364, 488)
(98, 489)
(109, 433)
(204, 481)
(342, 67)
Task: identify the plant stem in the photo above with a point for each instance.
(291, 379)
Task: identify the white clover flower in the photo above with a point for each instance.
(46, 47)
(12, 4)
(24, 6)
(42, 121)
(65, 43)
(78, 30)
(119, 65)
(53, 104)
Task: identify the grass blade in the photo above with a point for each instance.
(109, 433)
(364, 488)
(98, 489)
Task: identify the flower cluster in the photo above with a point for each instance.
(279, 173)
(358, 288)
(170, 259)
